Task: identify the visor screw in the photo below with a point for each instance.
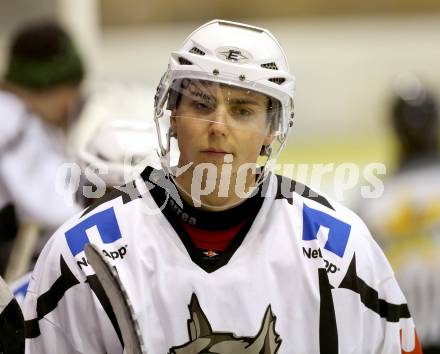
(215, 72)
(242, 77)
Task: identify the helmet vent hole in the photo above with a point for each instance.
(197, 51)
(184, 61)
(277, 80)
(271, 66)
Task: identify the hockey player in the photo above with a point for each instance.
(406, 219)
(217, 254)
(38, 91)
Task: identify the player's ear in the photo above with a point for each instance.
(269, 138)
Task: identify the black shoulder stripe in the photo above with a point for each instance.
(328, 331)
(49, 300)
(32, 328)
(97, 288)
(284, 189)
(287, 186)
(146, 173)
(128, 192)
(370, 297)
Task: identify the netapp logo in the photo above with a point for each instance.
(117, 254)
(316, 253)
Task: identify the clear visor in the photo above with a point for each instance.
(224, 105)
(216, 114)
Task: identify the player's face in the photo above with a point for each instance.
(63, 99)
(213, 120)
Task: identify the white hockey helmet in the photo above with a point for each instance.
(116, 154)
(234, 54)
(121, 149)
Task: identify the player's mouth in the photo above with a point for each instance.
(215, 153)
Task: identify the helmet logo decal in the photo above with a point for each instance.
(234, 54)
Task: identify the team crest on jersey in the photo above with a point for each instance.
(202, 339)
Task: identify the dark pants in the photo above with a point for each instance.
(8, 232)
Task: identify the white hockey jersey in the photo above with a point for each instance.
(306, 277)
(30, 154)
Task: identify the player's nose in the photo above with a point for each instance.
(219, 123)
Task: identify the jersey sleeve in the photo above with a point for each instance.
(387, 316)
(61, 310)
(371, 311)
(29, 168)
(400, 335)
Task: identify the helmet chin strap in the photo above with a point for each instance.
(266, 150)
(266, 168)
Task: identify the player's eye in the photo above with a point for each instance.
(242, 112)
(202, 106)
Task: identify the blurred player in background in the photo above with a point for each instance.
(39, 92)
(218, 254)
(406, 219)
(114, 155)
(415, 119)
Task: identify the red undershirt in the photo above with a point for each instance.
(214, 241)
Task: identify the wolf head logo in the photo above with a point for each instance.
(202, 340)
